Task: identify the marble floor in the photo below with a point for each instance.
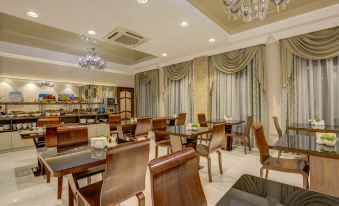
(18, 186)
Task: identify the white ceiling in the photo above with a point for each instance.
(159, 20)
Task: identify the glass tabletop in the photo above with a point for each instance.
(181, 130)
(255, 191)
(306, 145)
(313, 128)
(59, 160)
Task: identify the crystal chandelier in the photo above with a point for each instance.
(250, 10)
(92, 61)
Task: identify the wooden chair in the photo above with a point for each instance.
(161, 140)
(181, 119)
(277, 127)
(245, 136)
(141, 130)
(45, 122)
(125, 175)
(202, 123)
(278, 164)
(214, 145)
(175, 180)
(114, 118)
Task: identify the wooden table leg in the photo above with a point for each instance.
(48, 175)
(60, 179)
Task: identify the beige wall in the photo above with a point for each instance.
(26, 69)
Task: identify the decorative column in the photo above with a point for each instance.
(201, 97)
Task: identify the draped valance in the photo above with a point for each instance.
(235, 61)
(178, 71)
(317, 45)
(146, 77)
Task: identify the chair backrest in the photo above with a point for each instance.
(72, 136)
(63, 136)
(249, 124)
(181, 119)
(159, 124)
(114, 118)
(48, 121)
(143, 126)
(202, 120)
(125, 173)
(277, 126)
(175, 180)
(261, 142)
(218, 135)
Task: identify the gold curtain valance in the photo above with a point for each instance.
(178, 71)
(317, 45)
(235, 61)
(146, 77)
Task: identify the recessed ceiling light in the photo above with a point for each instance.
(142, 1)
(91, 32)
(211, 40)
(164, 54)
(32, 14)
(184, 24)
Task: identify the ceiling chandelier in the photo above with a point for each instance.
(250, 10)
(92, 61)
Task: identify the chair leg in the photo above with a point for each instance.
(168, 150)
(89, 180)
(70, 196)
(156, 151)
(266, 174)
(48, 175)
(249, 144)
(261, 171)
(220, 161)
(245, 144)
(279, 153)
(305, 181)
(141, 199)
(209, 168)
(60, 179)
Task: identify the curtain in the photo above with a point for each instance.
(312, 91)
(318, 45)
(239, 95)
(178, 89)
(147, 93)
(235, 61)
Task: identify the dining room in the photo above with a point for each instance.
(169, 103)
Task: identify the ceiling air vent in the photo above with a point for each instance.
(124, 37)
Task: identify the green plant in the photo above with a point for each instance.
(107, 136)
(195, 125)
(328, 137)
(317, 119)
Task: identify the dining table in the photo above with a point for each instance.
(251, 190)
(227, 142)
(323, 160)
(312, 128)
(125, 127)
(61, 162)
(179, 133)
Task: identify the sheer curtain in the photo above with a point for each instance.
(313, 91)
(180, 97)
(238, 95)
(146, 98)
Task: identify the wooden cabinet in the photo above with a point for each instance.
(17, 142)
(5, 141)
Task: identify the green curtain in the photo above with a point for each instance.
(317, 45)
(149, 77)
(235, 61)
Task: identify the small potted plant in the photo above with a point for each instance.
(193, 126)
(329, 139)
(227, 118)
(108, 137)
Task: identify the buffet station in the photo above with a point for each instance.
(25, 103)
